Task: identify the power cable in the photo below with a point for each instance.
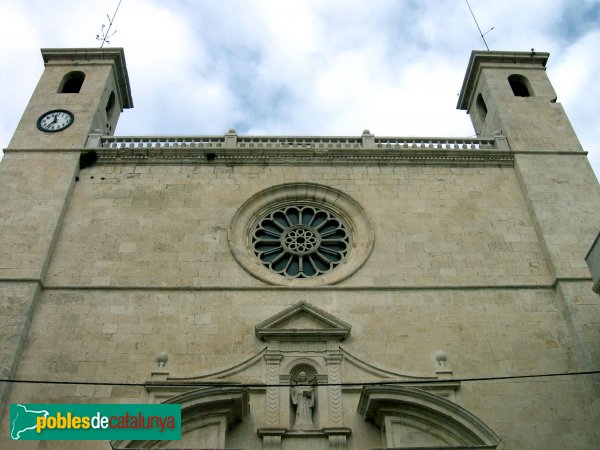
(264, 385)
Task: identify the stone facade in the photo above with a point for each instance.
(458, 306)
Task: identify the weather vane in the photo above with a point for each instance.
(105, 35)
(480, 33)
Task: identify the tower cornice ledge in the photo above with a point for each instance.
(480, 58)
(114, 56)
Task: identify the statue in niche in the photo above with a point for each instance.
(303, 397)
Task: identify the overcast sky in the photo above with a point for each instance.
(305, 67)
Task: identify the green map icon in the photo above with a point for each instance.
(23, 419)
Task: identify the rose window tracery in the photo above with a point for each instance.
(301, 241)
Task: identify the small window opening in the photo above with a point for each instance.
(481, 108)
(71, 83)
(110, 105)
(519, 86)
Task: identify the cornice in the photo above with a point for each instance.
(90, 56)
(496, 59)
(308, 157)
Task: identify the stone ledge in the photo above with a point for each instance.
(287, 156)
(472, 287)
(328, 431)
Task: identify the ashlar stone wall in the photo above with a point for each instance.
(167, 224)
(113, 336)
(142, 264)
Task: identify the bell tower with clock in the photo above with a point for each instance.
(80, 91)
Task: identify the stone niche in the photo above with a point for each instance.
(303, 353)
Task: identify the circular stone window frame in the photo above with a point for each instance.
(253, 210)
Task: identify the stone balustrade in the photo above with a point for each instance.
(436, 143)
(367, 148)
(296, 142)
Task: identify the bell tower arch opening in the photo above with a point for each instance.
(72, 82)
(520, 86)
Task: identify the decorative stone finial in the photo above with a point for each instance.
(160, 373)
(231, 131)
(366, 132)
(442, 370)
(161, 359)
(441, 358)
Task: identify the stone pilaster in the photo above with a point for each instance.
(272, 406)
(334, 374)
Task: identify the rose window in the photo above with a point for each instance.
(300, 241)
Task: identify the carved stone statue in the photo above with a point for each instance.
(303, 397)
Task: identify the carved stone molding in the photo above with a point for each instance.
(336, 405)
(337, 437)
(271, 437)
(272, 403)
(314, 150)
(304, 338)
(411, 417)
(214, 409)
(324, 326)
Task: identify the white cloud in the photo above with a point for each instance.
(575, 75)
(309, 67)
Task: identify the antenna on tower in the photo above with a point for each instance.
(105, 35)
(480, 33)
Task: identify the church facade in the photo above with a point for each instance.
(295, 292)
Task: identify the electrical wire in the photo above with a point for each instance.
(264, 385)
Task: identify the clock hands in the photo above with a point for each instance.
(56, 120)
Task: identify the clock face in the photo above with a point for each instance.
(56, 120)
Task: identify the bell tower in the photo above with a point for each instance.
(80, 91)
(511, 93)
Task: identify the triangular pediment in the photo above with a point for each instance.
(303, 322)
